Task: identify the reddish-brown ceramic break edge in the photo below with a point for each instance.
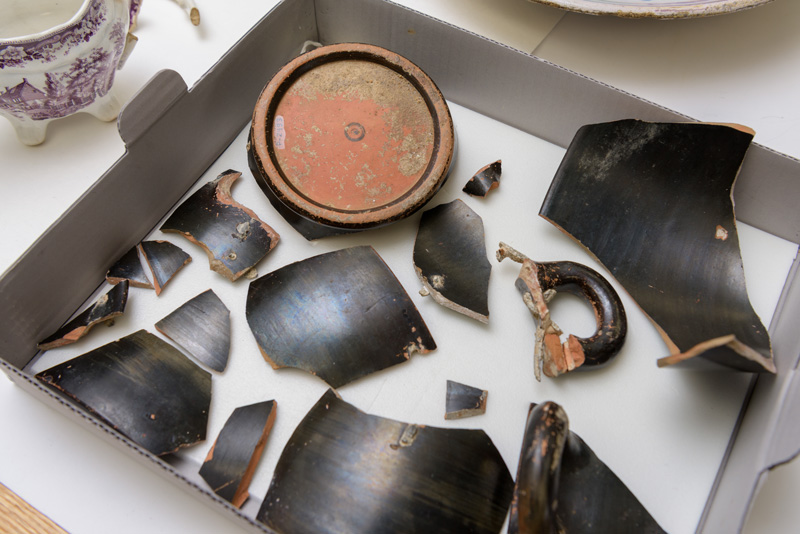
(315, 218)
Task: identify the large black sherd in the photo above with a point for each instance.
(652, 201)
(143, 387)
(339, 316)
(347, 472)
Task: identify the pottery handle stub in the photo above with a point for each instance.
(130, 43)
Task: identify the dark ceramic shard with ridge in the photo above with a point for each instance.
(485, 180)
(232, 235)
(129, 267)
(108, 307)
(346, 472)
(141, 386)
(202, 326)
(340, 316)
(164, 261)
(450, 259)
(464, 401)
(232, 460)
(653, 202)
(562, 487)
(540, 282)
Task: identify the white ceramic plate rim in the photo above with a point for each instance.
(643, 8)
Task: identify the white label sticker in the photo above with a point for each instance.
(279, 133)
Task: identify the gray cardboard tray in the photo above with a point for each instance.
(166, 130)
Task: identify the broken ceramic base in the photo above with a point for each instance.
(339, 316)
(539, 282)
(345, 471)
(652, 201)
(348, 137)
(232, 235)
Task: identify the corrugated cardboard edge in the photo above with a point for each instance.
(509, 85)
(171, 472)
(172, 136)
(767, 433)
(186, 132)
(173, 149)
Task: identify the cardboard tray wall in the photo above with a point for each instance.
(174, 134)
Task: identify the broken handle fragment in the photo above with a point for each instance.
(535, 499)
(562, 487)
(191, 10)
(538, 283)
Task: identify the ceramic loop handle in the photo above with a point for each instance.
(539, 283)
(582, 281)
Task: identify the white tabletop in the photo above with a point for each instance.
(741, 68)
